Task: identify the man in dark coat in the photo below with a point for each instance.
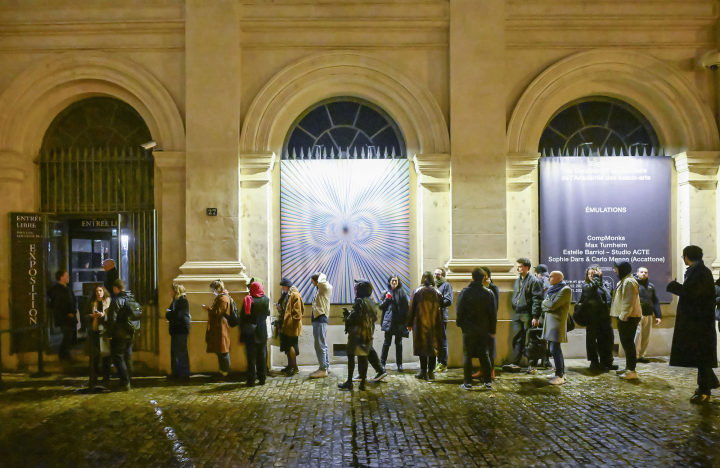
(65, 310)
(694, 341)
(111, 275)
(122, 320)
(446, 291)
(477, 317)
(650, 305)
(526, 299)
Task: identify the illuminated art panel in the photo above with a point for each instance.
(346, 218)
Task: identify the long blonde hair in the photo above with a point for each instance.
(218, 286)
(179, 290)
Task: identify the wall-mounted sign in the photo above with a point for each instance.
(94, 223)
(27, 280)
(211, 211)
(606, 210)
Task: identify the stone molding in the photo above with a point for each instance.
(344, 73)
(255, 169)
(644, 81)
(698, 169)
(519, 169)
(35, 97)
(13, 167)
(460, 269)
(171, 165)
(197, 276)
(434, 171)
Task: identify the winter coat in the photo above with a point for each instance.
(253, 326)
(63, 304)
(694, 341)
(217, 334)
(395, 311)
(556, 307)
(111, 276)
(321, 301)
(476, 311)
(360, 327)
(116, 319)
(649, 302)
(527, 296)
(717, 302)
(446, 291)
(292, 318)
(178, 316)
(496, 294)
(92, 306)
(425, 316)
(626, 299)
(595, 301)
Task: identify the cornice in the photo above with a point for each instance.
(698, 169)
(460, 269)
(255, 169)
(519, 169)
(434, 171)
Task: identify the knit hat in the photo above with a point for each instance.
(286, 282)
(542, 268)
(363, 288)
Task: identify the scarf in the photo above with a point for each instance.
(556, 287)
(439, 282)
(256, 290)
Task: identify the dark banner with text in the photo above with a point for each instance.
(604, 210)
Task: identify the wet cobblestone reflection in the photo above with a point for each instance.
(592, 421)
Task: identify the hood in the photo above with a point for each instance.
(542, 269)
(363, 289)
(624, 269)
(322, 278)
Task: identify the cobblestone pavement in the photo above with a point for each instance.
(401, 422)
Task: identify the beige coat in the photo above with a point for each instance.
(555, 308)
(626, 299)
(217, 335)
(292, 320)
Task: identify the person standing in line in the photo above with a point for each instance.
(541, 271)
(123, 318)
(477, 317)
(628, 312)
(178, 317)
(65, 311)
(217, 333)
(446, 291)
(360, 328)
(253, 332)
(526, 299)
(595, 301)
(425, 320)
(556, 307)
(650, 305)
(97, 308)
(319, 315)
(394, 309)
(292, 308)
(694, 341)
(488, 283)
(111, 275)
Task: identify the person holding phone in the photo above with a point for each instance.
(394, 307)
(599, 336)
(178, 317)
(217, 334)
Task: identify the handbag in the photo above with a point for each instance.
(273, 333)
(579, 315)
(570, 323)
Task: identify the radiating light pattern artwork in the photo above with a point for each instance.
(349, 219)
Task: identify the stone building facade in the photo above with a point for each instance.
(471, 85)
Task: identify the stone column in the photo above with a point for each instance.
(433, 207)
(170, 204)
(522, 206)
(212, 86)
(16, 176)
(478, 141)
(697, 178)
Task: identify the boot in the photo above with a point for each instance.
(362, 385)
(349, 385)
(421, 375)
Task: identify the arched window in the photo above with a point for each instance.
(344, 128)
(91, 159)
(598, 126)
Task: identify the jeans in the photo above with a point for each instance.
(520, 325)
(443, 351)
(321, 347)
(642, 335)
(121, 350)
(224, 361)
(707, 380)
(482, 343)
(256, 359)
(557, 355)
(599, 340)
(627, 330)
(68, 333)
(179, 358)
(375, 361)
(386, 348)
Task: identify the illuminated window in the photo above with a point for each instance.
(344, 128)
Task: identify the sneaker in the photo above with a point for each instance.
(356, 378)
(643, 360)
(441, 368)
(629, 375)
(531, 370)
(380, 375)
(557, 380)
(465, 386)
(319, 374)
(292, 371)
(431, 376)
(421, 375)
(621, 371)
(488, 386)
(512, 368)
(612, 367)
(699, 398)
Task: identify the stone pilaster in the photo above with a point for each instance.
(522, 206)
(697, 179)
(433, 208)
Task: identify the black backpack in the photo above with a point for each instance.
(130, 314)
(233, 320)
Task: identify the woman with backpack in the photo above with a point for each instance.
(217, 334)
(594, 310)
(253, 332)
